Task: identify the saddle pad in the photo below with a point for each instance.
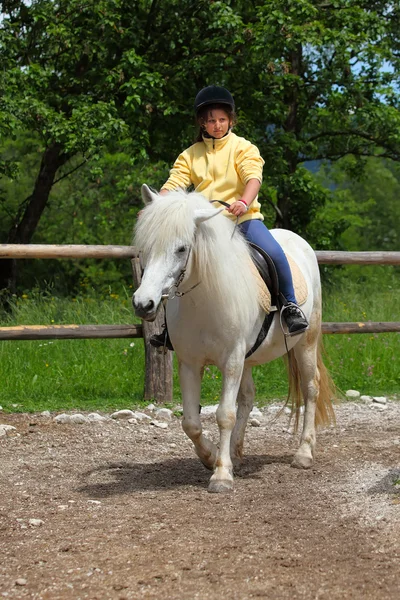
(299, 284)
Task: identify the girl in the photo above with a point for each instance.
(223, 166)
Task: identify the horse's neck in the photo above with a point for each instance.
(217, 293)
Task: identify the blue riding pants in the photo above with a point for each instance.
(255, 231)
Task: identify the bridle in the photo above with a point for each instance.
(181, 276)
(177, 283)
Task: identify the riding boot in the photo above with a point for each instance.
(161, 340)
(295, 319)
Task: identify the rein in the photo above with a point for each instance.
(226, 206)
(181, 276)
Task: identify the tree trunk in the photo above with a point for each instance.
(25, 226)
(292, 125)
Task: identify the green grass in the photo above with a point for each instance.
(108, 374)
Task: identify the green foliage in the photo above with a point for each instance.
(371, 198)
(96, 204)
(112, 84)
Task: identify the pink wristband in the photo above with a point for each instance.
(244, 203)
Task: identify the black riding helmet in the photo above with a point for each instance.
(213, 94)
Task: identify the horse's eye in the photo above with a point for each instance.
(181, 249)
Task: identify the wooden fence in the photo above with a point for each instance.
(158, 371)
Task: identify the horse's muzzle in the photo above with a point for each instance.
(147, 312)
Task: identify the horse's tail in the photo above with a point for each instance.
(324, 414)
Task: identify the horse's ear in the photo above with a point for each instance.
(203, 214)
(147, 195)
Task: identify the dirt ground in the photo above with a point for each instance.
(121, 511)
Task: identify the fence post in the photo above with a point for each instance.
(158, 367)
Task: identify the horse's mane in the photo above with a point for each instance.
(221, 254)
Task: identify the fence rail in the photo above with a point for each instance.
(90, 332)
(158, 375)
(326, 257)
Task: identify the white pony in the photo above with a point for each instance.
(192, 254)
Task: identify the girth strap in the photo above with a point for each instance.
(265, 327)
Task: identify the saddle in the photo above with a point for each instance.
(270, 297)
(267, 271)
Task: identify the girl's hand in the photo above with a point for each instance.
(237, 208)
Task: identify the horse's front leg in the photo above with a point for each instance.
(190, 380)
(222, 479)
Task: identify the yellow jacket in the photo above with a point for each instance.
(219, 170)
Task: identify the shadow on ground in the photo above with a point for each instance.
(120, 478)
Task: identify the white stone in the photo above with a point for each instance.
(161, 425)
(366, 399)
(165, 414)
(20, 581)
(5, 429)
(46, 413)
(1, 408)
(379, 399)
(255, 412)
(78, 419)
(95, 417)
(141, 416)
(255, 423)
(378, 407)
(352, 394)
(35, 522)
(132, 421)
(63, 418)
(209, 410)
(151, 407)
(123, 414)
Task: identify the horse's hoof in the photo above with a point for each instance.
(302, 462)
(219, 486)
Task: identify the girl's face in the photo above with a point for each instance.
(217, 123)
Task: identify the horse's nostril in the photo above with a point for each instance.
(150, 305)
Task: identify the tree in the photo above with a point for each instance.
(328, 87)
(82, 74)
(312, 79)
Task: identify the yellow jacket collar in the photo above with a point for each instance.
(213, 143)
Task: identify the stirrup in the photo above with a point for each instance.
(302, 320)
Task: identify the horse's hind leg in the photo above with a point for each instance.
(306, 358)
(245, 401)
(190, 380)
